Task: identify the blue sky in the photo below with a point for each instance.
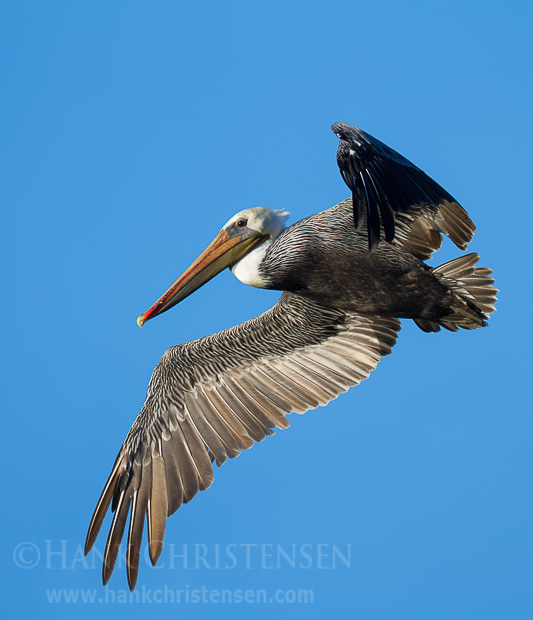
(131, 132)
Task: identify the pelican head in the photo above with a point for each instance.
(247, 234)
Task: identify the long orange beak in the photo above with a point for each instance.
(224, 251)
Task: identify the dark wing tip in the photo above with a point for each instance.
(343, 131)
(336, 128)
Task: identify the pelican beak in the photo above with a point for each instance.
(224, 251)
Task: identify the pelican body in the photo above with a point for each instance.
(348, 274)
(321, 259)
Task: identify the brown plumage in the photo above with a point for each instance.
(338, 315)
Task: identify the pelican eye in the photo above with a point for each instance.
(241, 223)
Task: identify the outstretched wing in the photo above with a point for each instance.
(211, 398)
(382, 181)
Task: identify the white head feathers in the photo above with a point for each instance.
(267, 221)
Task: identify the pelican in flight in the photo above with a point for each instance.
(347, 276)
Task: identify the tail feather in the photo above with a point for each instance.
(473, 291)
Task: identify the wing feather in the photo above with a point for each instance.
(189, 471)
(304, 398)
(253, 410)
(195, 451)
(277, 389)
(254, 429)
(228, 438)
(157, 509)
(228, 415)
(419, 231)
(138, 510)
(105, 499)
(270, 404)
(115, 536)
(173, 475)
(205, 429)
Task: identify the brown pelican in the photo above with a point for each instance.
(337, 316)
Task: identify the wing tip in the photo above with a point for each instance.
(342, 130)
(336, 129)
(104, 501)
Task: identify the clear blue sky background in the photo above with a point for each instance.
(131, 131)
